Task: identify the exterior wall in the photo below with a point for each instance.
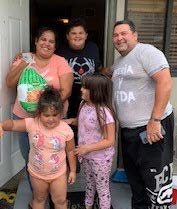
(174, 103)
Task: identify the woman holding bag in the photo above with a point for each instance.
(53, 68)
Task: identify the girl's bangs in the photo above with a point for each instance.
(86, 82)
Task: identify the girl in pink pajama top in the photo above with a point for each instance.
(96, 134)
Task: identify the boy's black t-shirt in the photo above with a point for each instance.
(82, 62)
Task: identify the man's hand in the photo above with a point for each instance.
(154, 131)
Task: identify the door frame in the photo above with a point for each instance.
(14, 38)
(115, 10)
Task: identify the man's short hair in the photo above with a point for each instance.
(128, 22)
(75, 22)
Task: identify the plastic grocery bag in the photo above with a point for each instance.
(30, 86)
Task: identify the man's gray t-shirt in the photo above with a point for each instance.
(134, 89)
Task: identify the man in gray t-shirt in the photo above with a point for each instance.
(142, 86)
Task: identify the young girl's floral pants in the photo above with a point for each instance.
(97, 173)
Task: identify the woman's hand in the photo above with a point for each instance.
(72, 177)
(14, 74)
(18, 56)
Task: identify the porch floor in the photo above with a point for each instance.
(120, 193)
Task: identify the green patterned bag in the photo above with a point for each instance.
(30, 86)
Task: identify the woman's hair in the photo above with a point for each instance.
(50, 98)
(100, 87)
(42, 30)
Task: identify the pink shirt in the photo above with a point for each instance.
(56, 67)
(89, 131)
(47, 156)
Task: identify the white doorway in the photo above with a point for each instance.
(14, 38)
(99, 15)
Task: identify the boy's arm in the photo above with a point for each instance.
(106, 71)
(72, 121)
(12, 125)
(70, 146)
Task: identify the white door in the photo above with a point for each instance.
(14, 38)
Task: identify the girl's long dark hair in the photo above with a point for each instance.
(101, 92)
